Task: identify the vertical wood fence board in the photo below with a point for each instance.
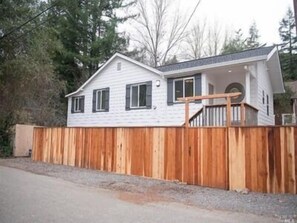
(156, 153)
(271, 160)
(170, 149)
(290, 186)
(148, 153)
(191, 156)
(277, 155)
(295, 161)
(237, 161)
(121, 151)
(196, 148)
(128, 152)
(178, 153)
(220, 152)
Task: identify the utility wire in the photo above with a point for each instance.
(25, 23)
(35, 27)
(190, 18)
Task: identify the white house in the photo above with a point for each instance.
(124, 92)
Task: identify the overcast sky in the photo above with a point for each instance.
(235, 14)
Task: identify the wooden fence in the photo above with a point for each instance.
(258, 158)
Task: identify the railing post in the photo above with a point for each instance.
(242, 114)
(228, 112)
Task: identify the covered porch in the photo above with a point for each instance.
(229, 79)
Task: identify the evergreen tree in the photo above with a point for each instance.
(234, 44)
(288, 54)
(253, 38)
(88, 32)
(30, 89)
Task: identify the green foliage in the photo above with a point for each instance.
(5, 136)
(88, 32)
(288, 55)
(282, 102)
(235, 44)
(253, 38)
(30, 89)
(239, 43)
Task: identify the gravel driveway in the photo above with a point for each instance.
(145, 190)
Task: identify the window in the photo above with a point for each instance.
(101, 100)
(77, 105)
(267, 105)
(183, 88)
(139, 95)
(263, 97)
(119, 66)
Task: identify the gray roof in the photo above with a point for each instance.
(262, 51)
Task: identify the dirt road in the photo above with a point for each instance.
(28, 197)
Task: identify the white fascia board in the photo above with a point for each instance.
(108, 62)
(278, 81)
(215, 65)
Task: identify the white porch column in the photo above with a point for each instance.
(248, 87)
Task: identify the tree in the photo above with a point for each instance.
(288, 54)
(196, 41)
(159, 31)
(283, 104)
(253, 38)
(30, 89)
(214, 40)
(234, 44)
(88, 32)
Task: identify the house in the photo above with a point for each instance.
(124, 92)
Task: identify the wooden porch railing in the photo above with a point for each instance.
(215, 115)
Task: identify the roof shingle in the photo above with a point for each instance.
(262, 51)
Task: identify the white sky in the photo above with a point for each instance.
(235, 14)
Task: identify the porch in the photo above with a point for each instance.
(242, 114)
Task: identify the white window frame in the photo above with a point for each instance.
(76, 104)
(184, 89)
(101, 101)
(138, 88)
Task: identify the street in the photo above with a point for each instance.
(28, 197)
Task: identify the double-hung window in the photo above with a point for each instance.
(139, 96)
(184, 87)
(77, 105)
(101, 100)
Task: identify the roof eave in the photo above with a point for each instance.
(215, 65)
(81, 88)
(276, 77)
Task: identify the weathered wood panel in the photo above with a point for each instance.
(261, 159)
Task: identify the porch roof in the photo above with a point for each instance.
(258, 52)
